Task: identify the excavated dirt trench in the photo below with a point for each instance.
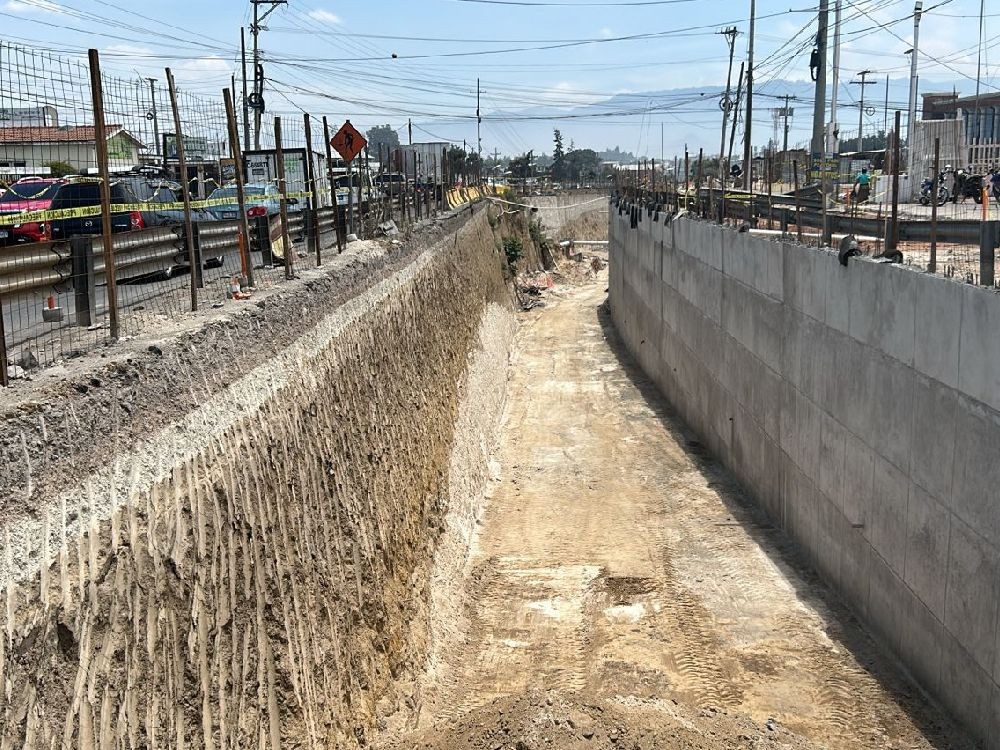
(622, 593)
(338, 518)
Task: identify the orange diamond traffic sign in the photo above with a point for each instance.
(348, 142)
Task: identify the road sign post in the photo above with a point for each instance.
(349, 143)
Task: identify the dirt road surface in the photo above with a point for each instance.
(621, 575)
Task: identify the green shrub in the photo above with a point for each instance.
(513, 248)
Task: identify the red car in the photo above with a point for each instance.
(28, 194)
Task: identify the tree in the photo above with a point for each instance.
(558, 156)
(473, 165)
(60, 168)
(520, 167)
(456, 163)
(582, 164)
(382, 136)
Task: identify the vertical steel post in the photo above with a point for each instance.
(989, 237)
(241, 199)
(337, 220)
(100, 138)
(313, 217)
(279, 158)
(935, 186)
(192, 252)
(798, 207)
(893, 239)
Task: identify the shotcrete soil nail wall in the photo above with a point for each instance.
(228, 541)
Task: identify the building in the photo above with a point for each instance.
(28, 150)
(981, 123)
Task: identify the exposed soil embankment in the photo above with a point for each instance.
(227, 540)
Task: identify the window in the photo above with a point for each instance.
(77, 194)
(35, 191)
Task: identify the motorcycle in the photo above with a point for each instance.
(994, 179)
(968, 186)
(943, 194)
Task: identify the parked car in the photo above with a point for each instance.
(124, 190)
(262, 199)
(395, 179)
(27, 194)
(361, 187)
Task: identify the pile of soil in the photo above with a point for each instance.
(554, 721)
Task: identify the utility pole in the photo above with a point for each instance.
(786, 112)
(246, 101)
(409, 130)
(258, 69)
(479, 125)
(726, 104)
(977, 128)
(832, 142)
(911, 116)
(819, 103)
(153, 115)
(748, 125)
(861, 105)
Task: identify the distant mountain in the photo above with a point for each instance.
(631, 123)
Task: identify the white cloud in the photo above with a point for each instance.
(32, 6)
(607, 33)
(324, 16)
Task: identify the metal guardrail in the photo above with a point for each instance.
(810, 214)
(45, 266)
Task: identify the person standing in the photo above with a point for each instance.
(862, 186)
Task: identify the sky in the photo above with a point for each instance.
(541, 64)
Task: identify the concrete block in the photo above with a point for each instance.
(977, 471)
(832, 532)
(743, 258)
(883, 313)
(966, 690)
(800, 431)
(978, 373)
(805, 355)
(842, 383)
(886, 601)
(832, 446)
(859, 481)
(928, 529)
(805, 286)
(767, 401)
(710, 238)
(938, 320)
(768, 329)
(735, 316)
(932, 436)
(772, 467)
(855, 564)
(922, 638)
(774, 282)
(840, 283)
(888, 391)
(972, 595)
(886, 529)
(668, 268)
(668, 305)
(993, 730)
(799, 504)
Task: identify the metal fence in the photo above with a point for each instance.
(128, 201)
(955, 238)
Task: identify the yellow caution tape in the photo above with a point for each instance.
(31, 217)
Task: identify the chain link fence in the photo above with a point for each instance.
(125, 204)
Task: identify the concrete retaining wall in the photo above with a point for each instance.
(557, 211)
(859, 406)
